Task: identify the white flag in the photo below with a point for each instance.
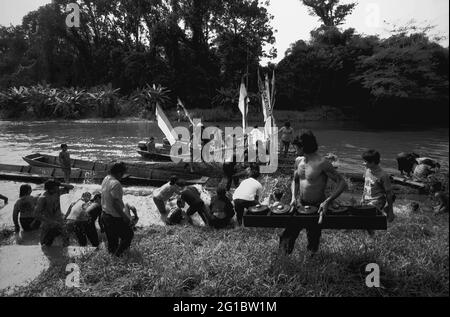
(243, 104)
(165, 126)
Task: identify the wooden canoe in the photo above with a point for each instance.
(35, 174)
(44, 160)
(138, 171)
(156, 157)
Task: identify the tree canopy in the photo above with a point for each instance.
(193, 46)
(330, 12)
(200, 50)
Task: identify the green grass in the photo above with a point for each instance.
(193, 261)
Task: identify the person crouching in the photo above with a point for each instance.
(78, 221)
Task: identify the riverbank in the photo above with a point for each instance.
(215, 115)
(196, 261)
(199, 261)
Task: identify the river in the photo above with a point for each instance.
(117, 140)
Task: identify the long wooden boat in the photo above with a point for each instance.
(37, 174)
(154, 156)
(146, 171)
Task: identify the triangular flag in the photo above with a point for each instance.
(165, 126)
(185, 111)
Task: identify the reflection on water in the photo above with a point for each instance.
(111, 140)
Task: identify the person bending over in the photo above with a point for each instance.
(247, 194)
(78, 221)
(191, 196)
(163, 194)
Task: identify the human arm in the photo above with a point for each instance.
(364, 191)
(16, 217)
(4, 198)
(389, 197)
(294, 188)
(341, 185)
(118, 205)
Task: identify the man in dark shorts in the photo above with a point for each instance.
(64, 161)
(117, 223)
(191, 196)
(48, 211)
(310, 181)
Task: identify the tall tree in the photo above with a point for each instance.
(329, 11)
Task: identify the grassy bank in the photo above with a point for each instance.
(188, 261)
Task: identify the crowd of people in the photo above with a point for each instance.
(107, 211)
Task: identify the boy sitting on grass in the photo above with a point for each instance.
(377, 185)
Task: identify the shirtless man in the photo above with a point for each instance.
(310, 181)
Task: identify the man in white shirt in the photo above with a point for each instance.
(247, 194)
(116, 222)
(254, 137)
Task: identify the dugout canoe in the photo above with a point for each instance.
(136, 171)
(155, 157)
(35, 174)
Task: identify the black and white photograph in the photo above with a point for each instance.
(224, 155)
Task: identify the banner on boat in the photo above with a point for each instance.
(165, 126)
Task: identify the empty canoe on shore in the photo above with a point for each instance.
(34, 174)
